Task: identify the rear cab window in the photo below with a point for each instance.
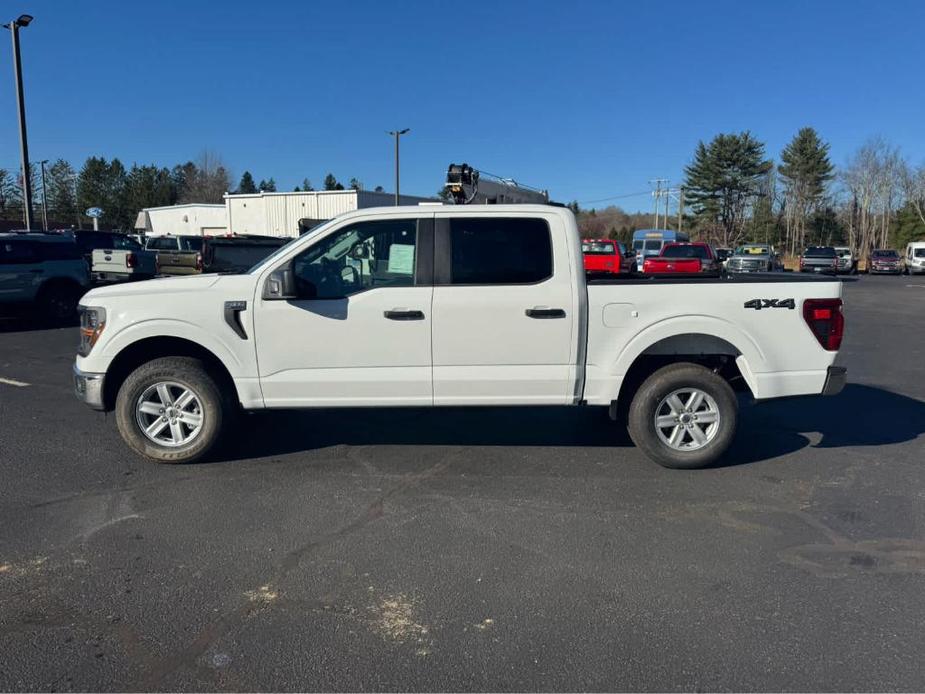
(598, 247)
(820, 252)
(686, 252)
(498, 251)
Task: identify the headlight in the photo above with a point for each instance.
(92, 322)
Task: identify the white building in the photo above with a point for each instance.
(192, 219)
(263, 214)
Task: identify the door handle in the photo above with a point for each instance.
(545, 313)
(402, 314)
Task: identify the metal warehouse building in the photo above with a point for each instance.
(264, 214)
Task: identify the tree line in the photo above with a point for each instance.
(123, 192)
(733, 193)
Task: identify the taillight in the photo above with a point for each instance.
(130, 260)
(199, 262)
(826, 321)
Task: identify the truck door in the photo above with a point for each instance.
(359, 333)
(504, 311)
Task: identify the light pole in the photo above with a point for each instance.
(397, 134)
(44, 197)
(22, 21)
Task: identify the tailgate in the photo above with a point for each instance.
(109, 260)
(179, 262)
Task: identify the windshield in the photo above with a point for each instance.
(637, 245)
(820, 252)
(597, 248)
(843, 252)
(653, 245)
(282, 249)
(685, 252)
(753, 250)
(191, 243)
(885, 254)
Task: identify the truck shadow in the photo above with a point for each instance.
(859, 416)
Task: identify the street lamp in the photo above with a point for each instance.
(397, 134)
(23, 20)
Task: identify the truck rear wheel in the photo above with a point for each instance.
(171, 410)
(683, 416)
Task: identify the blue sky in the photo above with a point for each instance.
(587, 99)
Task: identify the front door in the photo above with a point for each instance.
(360, 332)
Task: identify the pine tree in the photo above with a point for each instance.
(723, 180)
(355, 184)
(805, 171)
(268, 186)
(306, 185)
(246, 185)
(330, 183)
(61, 180)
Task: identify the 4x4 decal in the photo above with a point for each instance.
(759, 304)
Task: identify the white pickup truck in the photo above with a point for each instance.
(448, 306)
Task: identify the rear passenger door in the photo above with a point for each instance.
(20, 270)
(504, 314)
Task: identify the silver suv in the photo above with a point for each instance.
(42, 271)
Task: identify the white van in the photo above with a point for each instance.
(914, 258)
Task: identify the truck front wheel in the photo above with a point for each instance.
(171, 410)
(683, 416)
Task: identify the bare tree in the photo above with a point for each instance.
(208, 182)
(872, 178)
(912, 181)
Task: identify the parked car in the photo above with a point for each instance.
(462, 305)
(607, 256)
(885, 261)
(41, 272)
(914, 258)
(754, 257)
(819, 259)
(177, 255)
(678, 257)
(847, 260)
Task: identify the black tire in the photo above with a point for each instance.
(660, 385)
(58, 301)
(189, 373)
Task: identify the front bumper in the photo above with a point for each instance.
(88, 387)
(835, 380)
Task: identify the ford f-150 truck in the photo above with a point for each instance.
(449, 306)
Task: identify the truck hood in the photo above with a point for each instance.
(160, 285)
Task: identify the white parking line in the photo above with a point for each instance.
(915, 285)
(11, 382)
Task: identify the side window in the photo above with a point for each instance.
(17, 252)
(499, 251)
(361, 256)
(191, 244)
(58, 251)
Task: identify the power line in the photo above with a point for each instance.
(616, 197)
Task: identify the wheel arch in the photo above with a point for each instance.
(730, 358)
(145, 349)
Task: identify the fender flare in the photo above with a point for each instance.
(751, 357)
(172, 327)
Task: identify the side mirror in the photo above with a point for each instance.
(280, 285)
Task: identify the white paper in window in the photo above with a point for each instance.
(401, 259)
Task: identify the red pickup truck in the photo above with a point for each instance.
(606, 255)
(682, 258)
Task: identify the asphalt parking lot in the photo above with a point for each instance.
(472, 549)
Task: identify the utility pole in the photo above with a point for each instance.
(680, 207)
(667, 200)
(22, 21)
(397, 134)
(44, 198)
(657, 194)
